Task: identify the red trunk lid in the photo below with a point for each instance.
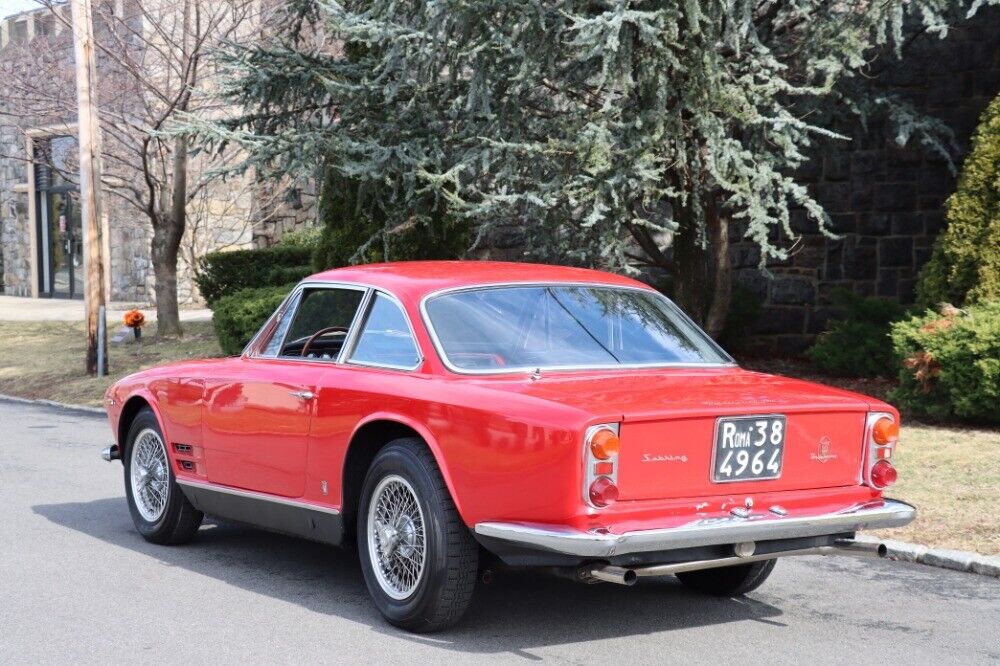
(668, 426)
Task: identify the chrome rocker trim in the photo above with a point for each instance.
(706, 532)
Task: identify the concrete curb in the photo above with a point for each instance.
(957, 560)
(81, 409)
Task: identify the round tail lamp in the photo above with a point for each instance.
(885, 432)
(883, 474)
(604, 444)
(603, 491)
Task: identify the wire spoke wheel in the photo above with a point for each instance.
(396, 537)
(150, 475)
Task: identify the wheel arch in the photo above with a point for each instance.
(130, 410)
(370, 436)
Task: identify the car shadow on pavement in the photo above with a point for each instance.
(519, 610)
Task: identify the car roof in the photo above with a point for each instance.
(415, 279)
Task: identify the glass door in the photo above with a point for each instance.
(59, 227)
(66, 251)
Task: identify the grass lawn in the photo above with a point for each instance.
(47, 359)
(951, 474)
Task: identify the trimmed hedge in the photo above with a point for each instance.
(224, 273)
(964, 267)
(950, 363)
(237, 317)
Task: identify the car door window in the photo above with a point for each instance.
(386, 339)
(321, 323)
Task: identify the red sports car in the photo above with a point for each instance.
(550, 416)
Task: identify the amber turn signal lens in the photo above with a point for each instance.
(603, 491)
(886, 431)
(883, 474)
(604, 444)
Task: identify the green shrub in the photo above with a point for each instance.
(304, 238)
(237, 317)
(965, 265)
(350, 221)
(950, 363)
(857, 345)
(224, 273)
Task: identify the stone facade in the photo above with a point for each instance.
(224, 214)
(885, 202)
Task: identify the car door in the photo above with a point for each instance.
(259, 407)
(376, 373)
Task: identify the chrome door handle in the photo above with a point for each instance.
(304, 395)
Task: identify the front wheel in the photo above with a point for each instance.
(159, 509)
(729, 581)
(418, 557)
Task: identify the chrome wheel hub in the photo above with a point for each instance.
(149, 474)
(396, 543)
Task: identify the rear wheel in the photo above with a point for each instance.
(160, 511)
(418, 558)
(729, 581)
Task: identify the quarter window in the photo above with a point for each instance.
(279, 331)
(386, 339)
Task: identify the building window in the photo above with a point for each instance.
(19, 32)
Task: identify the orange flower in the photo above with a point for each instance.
(134, 319)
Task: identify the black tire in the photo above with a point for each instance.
(729, 581)
(179, 521)
(444, 588)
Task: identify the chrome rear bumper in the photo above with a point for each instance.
(702, 532)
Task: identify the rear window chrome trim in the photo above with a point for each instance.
(439, 348)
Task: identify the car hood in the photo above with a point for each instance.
(634, 395)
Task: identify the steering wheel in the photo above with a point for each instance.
(320, 333)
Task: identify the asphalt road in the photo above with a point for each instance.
(78, 585)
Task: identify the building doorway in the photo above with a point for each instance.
(58, 223)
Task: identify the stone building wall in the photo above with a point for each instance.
(226, 214)
(885, 202)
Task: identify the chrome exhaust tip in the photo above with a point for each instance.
(612, 574)
(861, 548)
(111, 453)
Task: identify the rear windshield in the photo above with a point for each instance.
(503, 329)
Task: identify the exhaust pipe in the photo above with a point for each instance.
(623, 576)
(861, 548)
(612, 574)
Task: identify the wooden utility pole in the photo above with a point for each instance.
(90, 182)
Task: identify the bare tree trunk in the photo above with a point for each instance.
(703, 273)
(167, 234)
(718, 234)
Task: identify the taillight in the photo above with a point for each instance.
(600, 459)
(883, 474)
(885, 431)
(604, 444)
(881, 435)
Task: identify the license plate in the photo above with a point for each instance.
(748, 448)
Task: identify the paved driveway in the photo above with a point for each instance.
(77, 584)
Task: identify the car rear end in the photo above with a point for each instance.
(698, 489)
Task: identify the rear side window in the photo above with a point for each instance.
(386, 340)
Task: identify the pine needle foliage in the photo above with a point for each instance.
(573, 119)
